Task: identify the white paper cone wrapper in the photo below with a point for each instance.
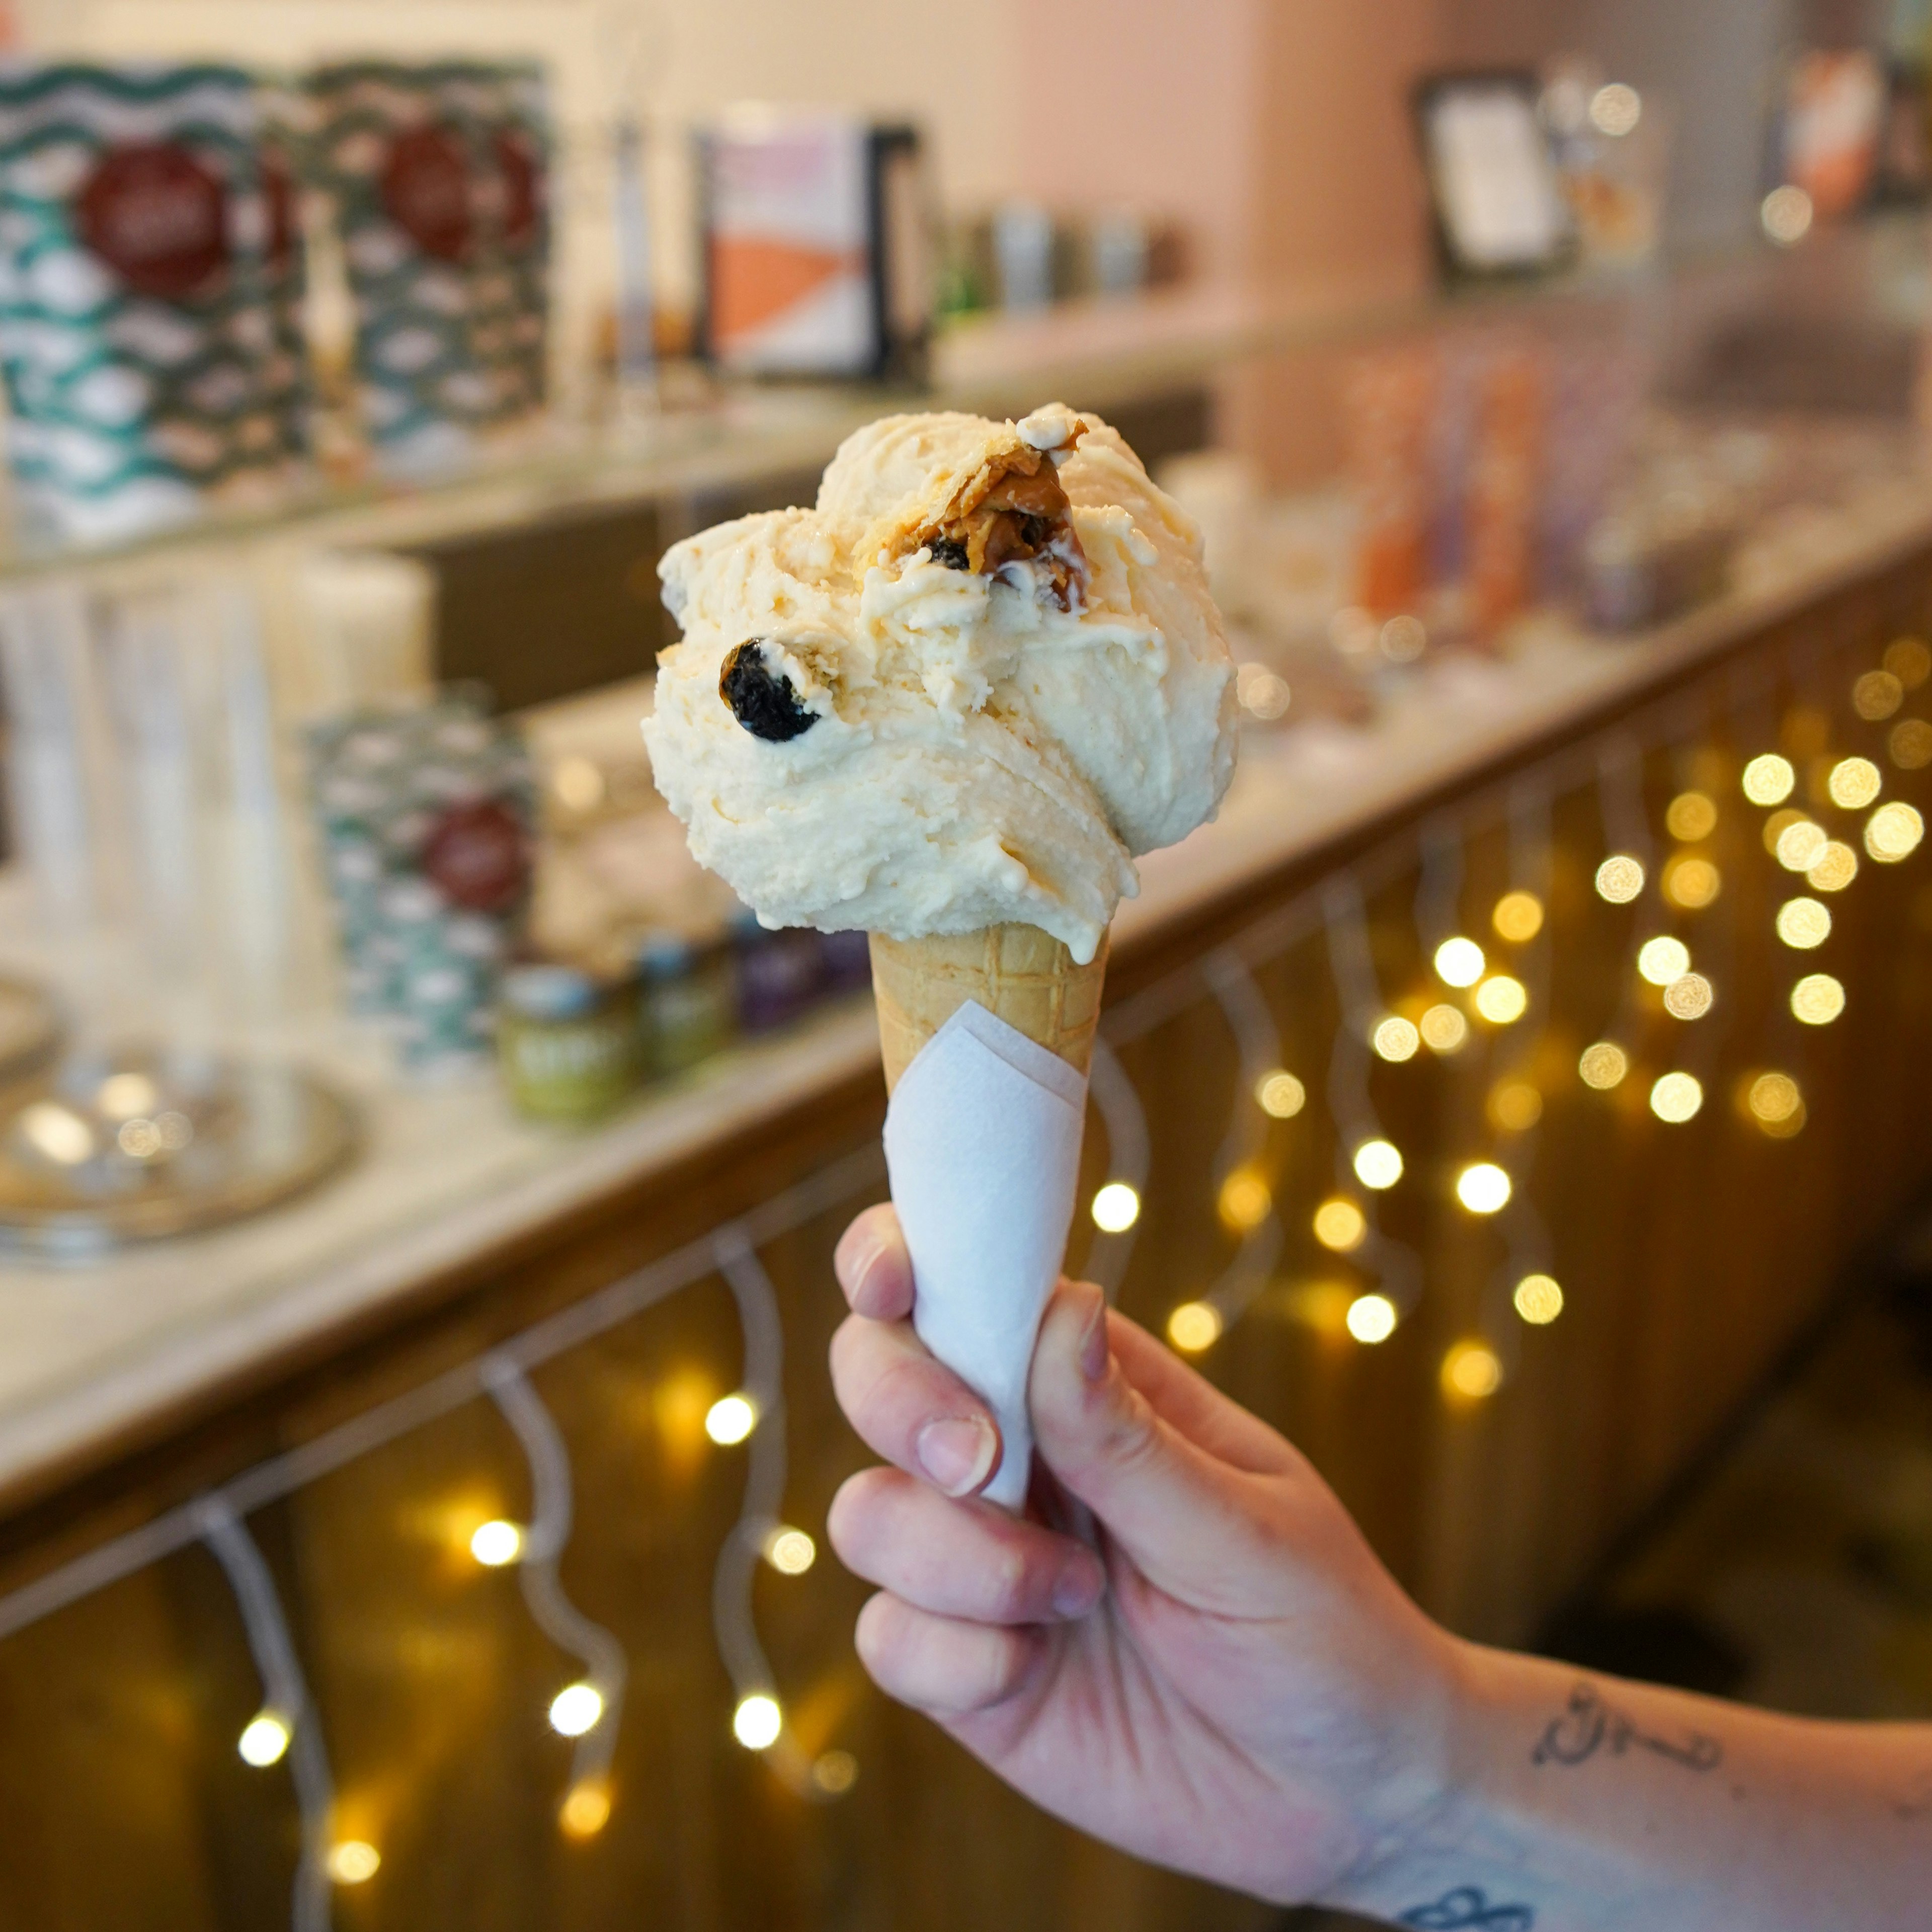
(982, 1144)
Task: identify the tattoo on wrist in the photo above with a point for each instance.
(1588, 1726)
(1468, 1907)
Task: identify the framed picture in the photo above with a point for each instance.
(1498, 206)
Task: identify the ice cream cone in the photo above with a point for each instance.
(1018, 973)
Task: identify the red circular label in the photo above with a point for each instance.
(523, 189)
(477, 856)
(426, 187)
(158, 217)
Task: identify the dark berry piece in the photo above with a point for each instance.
(951, 552)
(762, 699)
(1035, 530)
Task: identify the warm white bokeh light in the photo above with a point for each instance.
(730, 1419)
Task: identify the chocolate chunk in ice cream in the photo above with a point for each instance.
(761, 698)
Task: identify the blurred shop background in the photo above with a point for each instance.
(418, 1181)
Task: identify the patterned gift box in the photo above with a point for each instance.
(427, 818)
(437, 176)
(142, 234)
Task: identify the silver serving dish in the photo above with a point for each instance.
(107, 1149)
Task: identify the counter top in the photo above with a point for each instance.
(95, 1358)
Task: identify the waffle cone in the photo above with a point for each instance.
(1025, 976)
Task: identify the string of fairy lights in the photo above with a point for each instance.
(1483, 999)
(1496, 990)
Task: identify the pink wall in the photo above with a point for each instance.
(1159, 109)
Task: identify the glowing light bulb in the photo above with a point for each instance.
(1910, 744)
(1803, 923)
(1340, 1225)
(1833, 869)
(1281, 1095)
(1817, 999)
(586, 1809)
(578, 783)
(1799, 846)
(1676, 1097)
(1482, 1187)
(1909, 660)
(1371, 1319)
(1245, 1201)
(1619, 878)
(1514, 1106)
(1403, 639)
(791, 1553)
(1768, 780)
(1854, 783)
(1616, 109)
(1663, 959)
(1460, 962)
(1692, 884)
(1776, 1104)
(353, 1861)
(1194, 1326)
(1471, 1371)
(1518, 917)
(1116, 1206)
(264, 1739)
(1689, 998)
(1395, 1039)
(1603, 1065)
(1378, 1164)
(1444, 1029)
(496, 1543)
(57, 1133)
(576, 1709)
(1785, 215)
(1690, 816)
(1893, 832)
(1877, 695)
(1538, 1300)
(123, 1096)
(730, 1419)
(757, 1721)
(1501, 1000)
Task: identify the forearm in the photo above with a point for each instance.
(1579, 1803)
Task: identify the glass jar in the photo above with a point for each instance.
(567, 1043)
(687, 999)
(780, 973)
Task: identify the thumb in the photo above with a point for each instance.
(1194, 1525)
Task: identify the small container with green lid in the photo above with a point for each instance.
(568, 1044)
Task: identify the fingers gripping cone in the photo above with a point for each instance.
(1018, 973)
(987, 1036)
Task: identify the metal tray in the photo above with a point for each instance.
(105, 1150)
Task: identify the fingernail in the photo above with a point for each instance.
(859, 1260)
(1080, 1585)
(957, 1453)
(1094, 1352)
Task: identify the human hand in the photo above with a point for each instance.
(1217, 1674)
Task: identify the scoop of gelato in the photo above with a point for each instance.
(967, 687)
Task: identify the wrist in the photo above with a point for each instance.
(1439, 1802)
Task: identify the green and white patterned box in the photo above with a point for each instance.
(141, 241)
(437, 175)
